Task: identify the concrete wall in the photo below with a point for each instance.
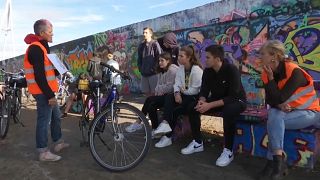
(233, 23)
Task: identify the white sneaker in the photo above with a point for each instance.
(192, 148)
(164, 142)
(48, 156)
(133, 127)
(225, 158)
(163, 128)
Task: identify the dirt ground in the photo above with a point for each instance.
(19, 160)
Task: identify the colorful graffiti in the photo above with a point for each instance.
(241, 24)
(200, 39)
(281, 7)
(301, 36)
(76, 59)
(254, 93)
(300, 147)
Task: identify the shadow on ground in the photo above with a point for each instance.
(18, 159)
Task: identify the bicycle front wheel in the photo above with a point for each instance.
(111, 145)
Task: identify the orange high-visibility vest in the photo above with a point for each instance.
(304, 97)
(33, 87)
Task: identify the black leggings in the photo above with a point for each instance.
(151, 106)
(230, 112)
(173, 110)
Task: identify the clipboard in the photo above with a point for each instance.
(57, 63)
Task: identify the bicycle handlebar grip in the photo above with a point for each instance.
(111, 68)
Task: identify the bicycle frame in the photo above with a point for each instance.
(111, 97)
(93, 103)
(63, 88)
(111, 146)
(12, 92)
(113, 94)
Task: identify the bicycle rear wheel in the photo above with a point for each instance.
(16, 106)
(86, 118)
(111, 146)
(4, 117)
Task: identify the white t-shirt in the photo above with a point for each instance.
(114, 77)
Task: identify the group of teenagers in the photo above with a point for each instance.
(175, 81)
(179, 85)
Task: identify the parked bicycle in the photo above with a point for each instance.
(110, 145)
(11, 100)
(90, 108)
(63, 92)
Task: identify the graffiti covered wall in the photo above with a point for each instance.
(301, 148)
(240, 24)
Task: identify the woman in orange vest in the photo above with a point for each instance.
(293, 103)
(42, 84)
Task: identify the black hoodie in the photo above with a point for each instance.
(148, 57)
(171, 40)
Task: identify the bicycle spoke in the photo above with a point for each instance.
(103, 142)
(128, 149)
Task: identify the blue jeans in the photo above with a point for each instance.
(46, 115)
(278, 121)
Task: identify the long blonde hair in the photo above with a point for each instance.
(275, 47)
(191, 53)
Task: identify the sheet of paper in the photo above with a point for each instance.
(57, 63)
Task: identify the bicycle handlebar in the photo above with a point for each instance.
(20, 73)
(111, 68)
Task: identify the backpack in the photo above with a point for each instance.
(94, 69)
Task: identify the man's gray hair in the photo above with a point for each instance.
(41, 25)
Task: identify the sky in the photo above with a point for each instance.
(73, 19)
